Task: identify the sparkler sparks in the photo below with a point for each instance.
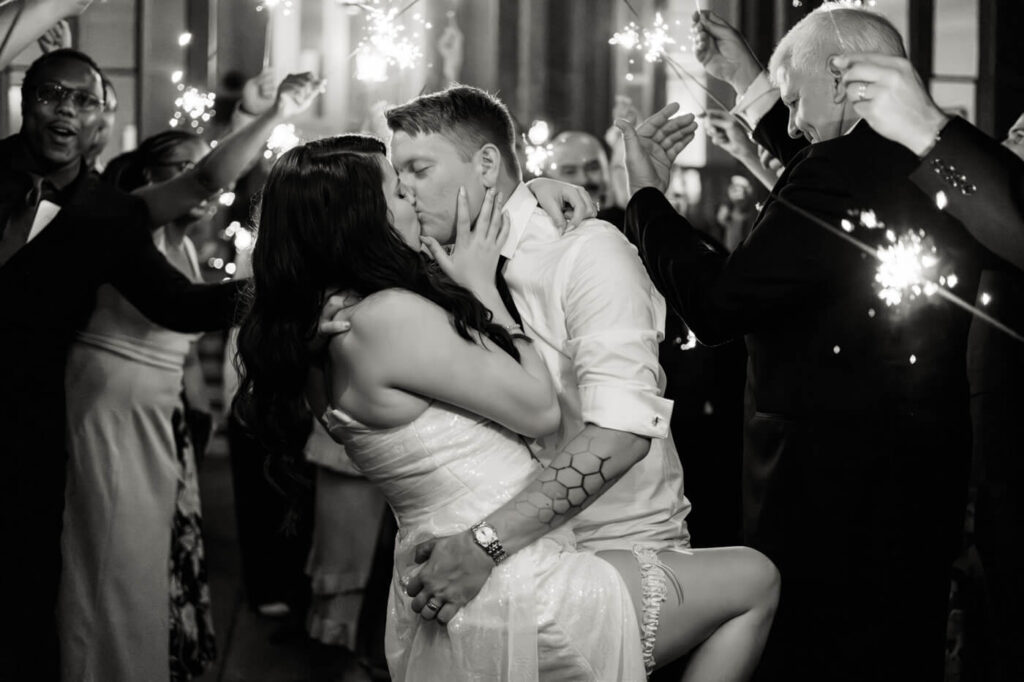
(654, 41)
(281, 139)
(907, 268)
(271, 5)
(193, 108)
(386, 42)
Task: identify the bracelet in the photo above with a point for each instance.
(514, 329)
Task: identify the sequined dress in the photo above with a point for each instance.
(549, 612)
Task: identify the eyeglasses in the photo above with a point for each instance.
(55, 93)
(180, 166)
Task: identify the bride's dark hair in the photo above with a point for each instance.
(324, 227)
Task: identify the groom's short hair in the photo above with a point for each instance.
(469, 117)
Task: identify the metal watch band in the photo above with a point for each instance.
(493, 548)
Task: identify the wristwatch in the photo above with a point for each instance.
(487, 539)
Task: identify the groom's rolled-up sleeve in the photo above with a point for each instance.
(615, 319)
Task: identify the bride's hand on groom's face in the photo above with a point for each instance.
(474, 256)
(452, 571)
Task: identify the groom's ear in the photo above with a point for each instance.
(489, 164)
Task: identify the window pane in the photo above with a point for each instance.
(955, 51)
(955, 97)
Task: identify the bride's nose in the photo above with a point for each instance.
(406, 193)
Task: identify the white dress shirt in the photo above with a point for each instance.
(596, 320)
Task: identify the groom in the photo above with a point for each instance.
(596, 320)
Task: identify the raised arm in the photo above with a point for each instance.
(175, 197)
(980, 182)
(728, 135)
(142, 274)
(24, 21)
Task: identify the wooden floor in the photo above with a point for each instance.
(251, 647)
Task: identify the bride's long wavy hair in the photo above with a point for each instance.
(324, 227)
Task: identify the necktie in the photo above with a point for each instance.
(504, 293)
(19, 223)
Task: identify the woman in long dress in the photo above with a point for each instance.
(430, 394)
(134, 603)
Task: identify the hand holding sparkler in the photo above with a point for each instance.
(727, 134)
(888, 93)
(296, 93)
(770, 162)
(723, 51)
(652, 146)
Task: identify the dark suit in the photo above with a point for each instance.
(47, 291)
(983, 183)
(855, 459)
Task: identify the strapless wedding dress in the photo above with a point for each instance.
(549, 612)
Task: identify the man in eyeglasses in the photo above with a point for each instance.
(62, 234)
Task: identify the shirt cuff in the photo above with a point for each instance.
(642, 413)
(756, 101)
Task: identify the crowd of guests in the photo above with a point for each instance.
(529, 439)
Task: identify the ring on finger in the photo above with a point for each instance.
(434, 604)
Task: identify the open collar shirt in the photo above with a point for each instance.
(596, 320)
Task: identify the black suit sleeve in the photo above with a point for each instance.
(142, 274)
(983, 184)
(785, 261)
(772, 133)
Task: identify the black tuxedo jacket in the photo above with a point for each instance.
(47, 290)
(860, 407)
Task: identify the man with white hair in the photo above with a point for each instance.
(855, 459)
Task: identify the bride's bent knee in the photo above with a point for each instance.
(762, 577)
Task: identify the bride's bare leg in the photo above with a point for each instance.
(729, 599)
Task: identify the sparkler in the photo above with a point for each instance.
(385, 42)
(193, 108)
(654, 42)
(281, 139)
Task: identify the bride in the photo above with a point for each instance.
(431, 393)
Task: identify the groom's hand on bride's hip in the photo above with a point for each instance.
(452, 571)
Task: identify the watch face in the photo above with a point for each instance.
(485, 535)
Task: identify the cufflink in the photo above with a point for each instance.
(656, 421)
(957, 181)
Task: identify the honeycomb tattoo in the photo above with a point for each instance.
(566, 486)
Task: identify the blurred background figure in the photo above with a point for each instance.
(735, 216)
(580, 158)
(134, 602)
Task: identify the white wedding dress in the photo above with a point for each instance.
(549, 612)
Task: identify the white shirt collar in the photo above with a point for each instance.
(520, 207)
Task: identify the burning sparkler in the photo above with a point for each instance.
(193, 108)
(386, 42)
(281, 139)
